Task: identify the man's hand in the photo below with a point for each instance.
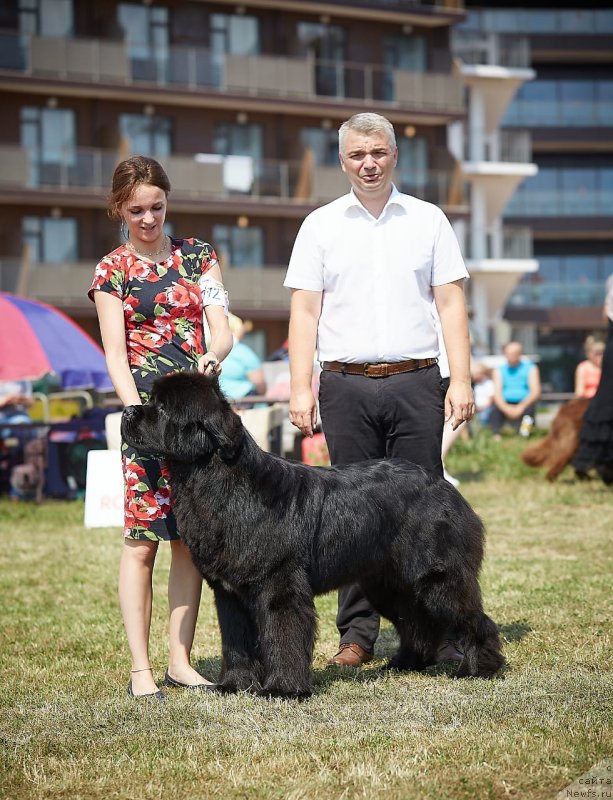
(303, 411)
(459, 403)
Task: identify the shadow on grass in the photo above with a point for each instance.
(515, 631)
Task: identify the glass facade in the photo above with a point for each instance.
(560, 103)
(526, 21)
(560, 192)
(575, 280)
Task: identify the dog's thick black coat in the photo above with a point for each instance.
(268, 534)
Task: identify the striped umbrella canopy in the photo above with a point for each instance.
(36, 339)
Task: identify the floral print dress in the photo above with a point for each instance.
(163, 306)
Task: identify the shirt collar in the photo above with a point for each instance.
(395, 198)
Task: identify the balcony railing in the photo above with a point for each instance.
(509, 243)
(205, 175)
(532, 22)
(192, 69)
(560, 113)
(250, 288)
(569, 202)
(491, 49)
(402, 5)
(549, 294)
(509, 146)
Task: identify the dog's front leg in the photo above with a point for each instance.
(241, 667)
(287, 626)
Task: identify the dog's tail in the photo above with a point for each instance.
(482, 649)
(535, 455)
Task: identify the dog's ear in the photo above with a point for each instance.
(226, 430)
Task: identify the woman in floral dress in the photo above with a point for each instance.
(150, 295)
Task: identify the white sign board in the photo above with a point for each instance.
(104, 489)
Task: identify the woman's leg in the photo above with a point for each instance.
(184, 590)
(135, 600)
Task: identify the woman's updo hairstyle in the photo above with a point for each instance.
(131, 173)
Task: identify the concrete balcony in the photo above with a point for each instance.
(491, 49)
(426, 13)
(498, 146)
(205, 181)
(500, 243)
(257, 291)
(195, 76)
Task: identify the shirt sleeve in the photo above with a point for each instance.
(110, 277)
(447, 262)
(306, 267)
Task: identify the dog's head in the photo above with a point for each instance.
(186, 418)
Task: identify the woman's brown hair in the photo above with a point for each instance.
(131, 173)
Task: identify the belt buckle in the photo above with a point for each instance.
(379, 370)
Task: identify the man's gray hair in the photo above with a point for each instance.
(366, 123)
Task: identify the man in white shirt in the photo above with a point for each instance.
(368, 272)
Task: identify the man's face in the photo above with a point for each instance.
(513, 352)
(369, 160)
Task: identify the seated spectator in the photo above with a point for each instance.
(588, 372)
(517, 387)
(15, 400)
(242, 374)
(483, 389)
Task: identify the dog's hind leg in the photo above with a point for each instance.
(287, 626)
(399, 609)
(451, 602)
(241, 667)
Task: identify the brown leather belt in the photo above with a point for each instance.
(379, 370)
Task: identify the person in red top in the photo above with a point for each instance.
(588, 372)
(151, 294)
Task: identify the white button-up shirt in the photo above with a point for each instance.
(376, 276)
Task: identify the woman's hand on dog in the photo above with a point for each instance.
(209, 364)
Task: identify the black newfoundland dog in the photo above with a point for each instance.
(268, 534)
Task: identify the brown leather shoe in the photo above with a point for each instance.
(350, 655)
(448, 651)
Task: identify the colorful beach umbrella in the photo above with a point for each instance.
(36, 339)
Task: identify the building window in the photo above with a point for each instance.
(146, 32)
(405, 53)
(325, 44)
(52, 241)
(235, 35)
(323, 144)
(48, 134)
(146, 135)
(232, 139)
(46, 17)
(412, 170)
(239, 247)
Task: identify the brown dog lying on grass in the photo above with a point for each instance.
(559, 446)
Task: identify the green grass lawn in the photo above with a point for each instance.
(68, 729)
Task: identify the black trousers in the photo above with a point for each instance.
(363, 418)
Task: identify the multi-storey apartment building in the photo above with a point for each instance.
(569, 204)
(240, 101)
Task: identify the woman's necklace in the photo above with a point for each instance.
(134, 249)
